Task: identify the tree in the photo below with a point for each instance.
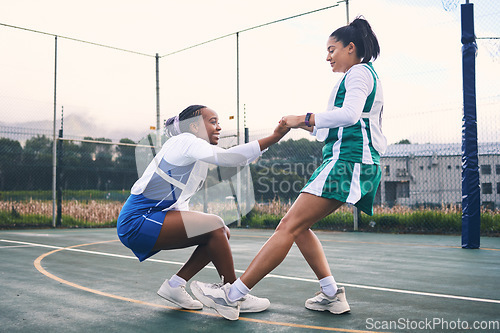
(72, 172)
(285, 168)
(294, 150)
(125, 154)
(104, 164)
(37, 155)
(126, 170)
(10, 161)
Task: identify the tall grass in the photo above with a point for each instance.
(398, 219)
(67, 195)
(83, 213)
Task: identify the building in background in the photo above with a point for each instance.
(431, 175)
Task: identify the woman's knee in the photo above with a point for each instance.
(216, 221)
(292, 226)
(220, 235)
(218, 226)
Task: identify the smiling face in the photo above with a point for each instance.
(341, 57)
(207, 128)
(211, 120)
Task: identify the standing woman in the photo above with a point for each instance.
(350, 171)
(155, 216)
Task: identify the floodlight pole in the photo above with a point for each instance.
(238, 87)
(59, 172)
(355, 211)
(347, 10)
(54, 145)
(238, 177)
(158, 137)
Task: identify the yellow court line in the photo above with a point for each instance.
(379, 243)
(38, 265)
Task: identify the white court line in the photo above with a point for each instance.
(29, 234)
(284, 277)
(14, 246)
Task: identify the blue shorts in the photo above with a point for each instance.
(140, 233)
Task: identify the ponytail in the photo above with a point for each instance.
(360, 33)
(177, 125)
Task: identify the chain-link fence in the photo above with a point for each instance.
(113, 100)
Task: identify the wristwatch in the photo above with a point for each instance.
(308, 116)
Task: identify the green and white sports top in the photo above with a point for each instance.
(352, 124)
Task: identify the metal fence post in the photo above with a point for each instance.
(54, 145)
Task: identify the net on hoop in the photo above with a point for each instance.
(450, 5)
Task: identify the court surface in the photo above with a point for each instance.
(85, 280)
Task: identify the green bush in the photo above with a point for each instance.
(260, 221)
(418, 221)
(490, 224)
(13, 220)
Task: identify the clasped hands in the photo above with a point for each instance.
(288, 122)
(293, 121)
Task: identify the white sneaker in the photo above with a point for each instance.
(336, 304)
(251, 303)
(179, 296)
(214, 295)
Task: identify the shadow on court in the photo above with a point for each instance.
(87, 281)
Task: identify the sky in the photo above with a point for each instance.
(282, 67)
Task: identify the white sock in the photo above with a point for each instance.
(176, 281)
(328, 286)
(238, 290)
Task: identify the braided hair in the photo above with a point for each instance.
(360, 33)
(177, 125)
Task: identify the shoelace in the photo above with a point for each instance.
(331, 299)
(183, 288)
(218, 285)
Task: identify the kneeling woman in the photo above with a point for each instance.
(155, 217)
